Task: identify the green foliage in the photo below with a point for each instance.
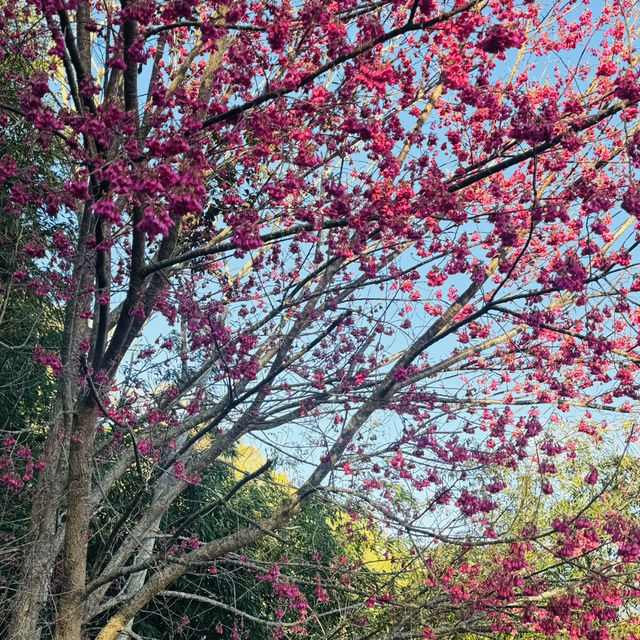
(317, 550)
(28, 316)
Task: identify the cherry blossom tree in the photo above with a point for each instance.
(392, 243)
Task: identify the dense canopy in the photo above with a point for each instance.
(388, 248)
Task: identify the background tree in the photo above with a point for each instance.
(30, 319)
(291, 575)
(390, 241)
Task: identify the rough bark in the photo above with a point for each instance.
(69, 625)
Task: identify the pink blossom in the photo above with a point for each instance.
(592, 476)
(107, 210)
(48, 359)
(500, 37)
(155, 222)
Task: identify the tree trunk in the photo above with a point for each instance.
(74, 565)
(44, 539)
